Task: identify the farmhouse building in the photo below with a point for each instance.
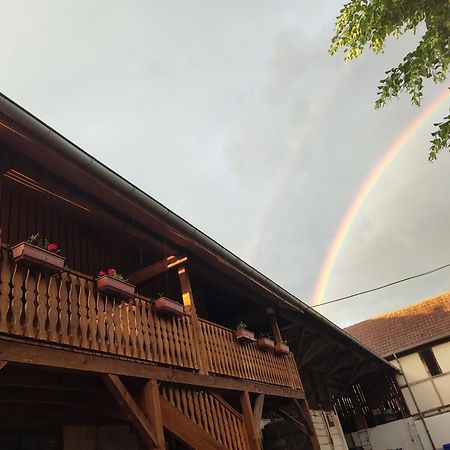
(417, 340)
(153, 359)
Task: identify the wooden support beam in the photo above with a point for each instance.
(358, 370)
(315, 348)
(186, 289)
(131, 409)
(3, 364)
(303, 411)
(275, 328)
(296, 422)
(15, 350)
(249, 423)
(151, 406)
(155, 269)
(189, 306)
(186, 430)
(258, 409)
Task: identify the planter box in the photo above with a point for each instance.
(111, 286)
(164, 304)
(283, 349)
(31, 256)
(243, 335)
(264, 342)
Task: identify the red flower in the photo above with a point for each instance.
(112, 271)
(101, 273)
(52, 247)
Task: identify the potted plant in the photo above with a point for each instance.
(37, 251)
(282, 348)
(265, 342)
(244, 335)
(166, 305)
(113, 283)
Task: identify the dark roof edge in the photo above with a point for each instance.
(82, 158)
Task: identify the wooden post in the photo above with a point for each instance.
(249, 422)
(257, 412)
(186, 289)
(258, 409)
(151, 406)
(189, 306)
(275, 328)
(131, 410)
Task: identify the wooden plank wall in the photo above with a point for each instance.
(86, 248)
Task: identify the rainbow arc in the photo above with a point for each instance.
(365, 190)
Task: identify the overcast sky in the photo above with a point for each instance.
(235, 117)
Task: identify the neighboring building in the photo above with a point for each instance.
(417, 340)
(84, 368)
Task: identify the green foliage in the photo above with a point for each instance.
(241, 326)
(370, 22)
(38, 241)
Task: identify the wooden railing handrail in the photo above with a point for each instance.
(68, 309)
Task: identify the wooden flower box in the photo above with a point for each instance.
(243, 335)
(265, 342)
(166, 305)
(32, 256)
(281, 348)
(111, 286)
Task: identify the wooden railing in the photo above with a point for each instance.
(67, 309)
(228, 357)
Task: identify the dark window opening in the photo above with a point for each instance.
(430, 362)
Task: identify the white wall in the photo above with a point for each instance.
(439, 428)
(429, 392)
(432, 395)
(394, 435)
(399, 434)
(442, 354)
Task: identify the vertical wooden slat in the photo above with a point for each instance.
(30, 304)
(132, 327)
(139, 328)
(63, 296)
(101, 323)
(165, 341)
(124, 319)
(41, 311)
(110, 325)
(117, 326)
(146, 331)
(16, 304)
(155, 337)
(4, 291)
(92, 316)
(52, 310)
(74, 318)
(82, 304)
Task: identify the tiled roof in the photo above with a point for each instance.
(405, 328)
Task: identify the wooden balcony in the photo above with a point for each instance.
(65, 309)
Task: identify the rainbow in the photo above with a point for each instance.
(365, 191)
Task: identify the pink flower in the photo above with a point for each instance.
(52, 247)
(101, 273)
(111, 271)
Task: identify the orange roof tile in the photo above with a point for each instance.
(405, 328)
